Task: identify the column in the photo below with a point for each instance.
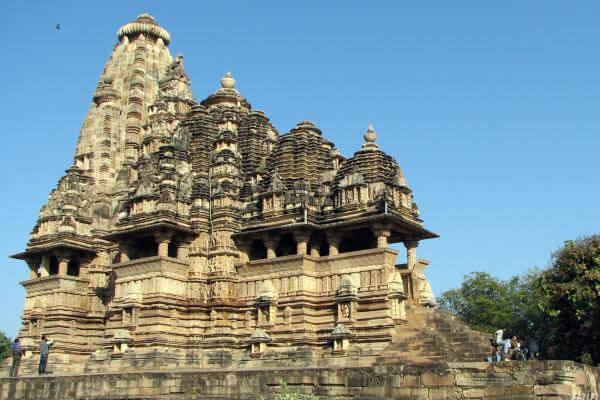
(63, 263)
(411, 253)
(314, 250)
(382, 235)
(244, 249)
(270, 244)
(33, 268)
(301, 242)
(182, 249)
(411, 263)
(163, 239)
(124, 249)
(334, 243)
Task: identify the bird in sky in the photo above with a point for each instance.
(57, 26)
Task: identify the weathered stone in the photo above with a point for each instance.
(473, 393)
(192, 236)
(434, 380)
(552, 390)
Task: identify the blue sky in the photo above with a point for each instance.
(490, 108)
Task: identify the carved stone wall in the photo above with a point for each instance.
(532, 380)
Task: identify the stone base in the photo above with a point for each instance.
(507, 380)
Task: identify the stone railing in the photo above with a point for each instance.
(296, 274)
(55, 282)
(55, 291)
(150, 276)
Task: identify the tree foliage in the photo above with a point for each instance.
(5, 346)
(571, 287)
(559, 307)
(487, 303)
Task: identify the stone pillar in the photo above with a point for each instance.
(382, 235)
(63, 263)
(125, 250)
(334, 243)
(33, 268)
(270, 244)
(163, 240)
(244, 249)
(411, 263)
(183, 248)
(314, 250)
(302, 242)
(411, 254)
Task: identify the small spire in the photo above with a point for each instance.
(227, 82)
(370, 137)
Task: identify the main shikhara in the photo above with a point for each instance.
(193, 233)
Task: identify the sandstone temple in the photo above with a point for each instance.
(192, 234)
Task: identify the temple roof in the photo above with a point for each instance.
(146, 24)
(226, 95)
(370, 165)
(149, 157)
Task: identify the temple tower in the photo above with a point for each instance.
(193, 233)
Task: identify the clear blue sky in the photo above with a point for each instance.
(490, 108)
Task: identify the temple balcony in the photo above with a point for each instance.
(55, 292)
(302, 274)
(56, 282)
(150, 277)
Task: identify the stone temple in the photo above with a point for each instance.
(193, 235)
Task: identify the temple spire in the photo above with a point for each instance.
(228, 82)
(370, 137)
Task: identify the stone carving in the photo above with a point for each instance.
(267, 292)
(198, 221)
(395, 283)
(426, 296)
(345, 310)
(347, 288)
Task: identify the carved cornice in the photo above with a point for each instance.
(150, 265)
(56, 282)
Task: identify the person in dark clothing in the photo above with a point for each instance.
(44, 350)
(533, 349)
(17, 353)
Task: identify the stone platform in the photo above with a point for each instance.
(475, 380)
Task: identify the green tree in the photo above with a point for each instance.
(571, 287)
(5, 346)
(487, 304)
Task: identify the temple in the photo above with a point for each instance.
(192, 233)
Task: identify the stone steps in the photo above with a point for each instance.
(434, 336)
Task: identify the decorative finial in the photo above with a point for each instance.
(370, 137)
(227, 82)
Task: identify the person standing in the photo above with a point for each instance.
(533, 349)
(44, 350)
(505, 343)
(17, 353)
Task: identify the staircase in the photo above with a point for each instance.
(432, 336)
